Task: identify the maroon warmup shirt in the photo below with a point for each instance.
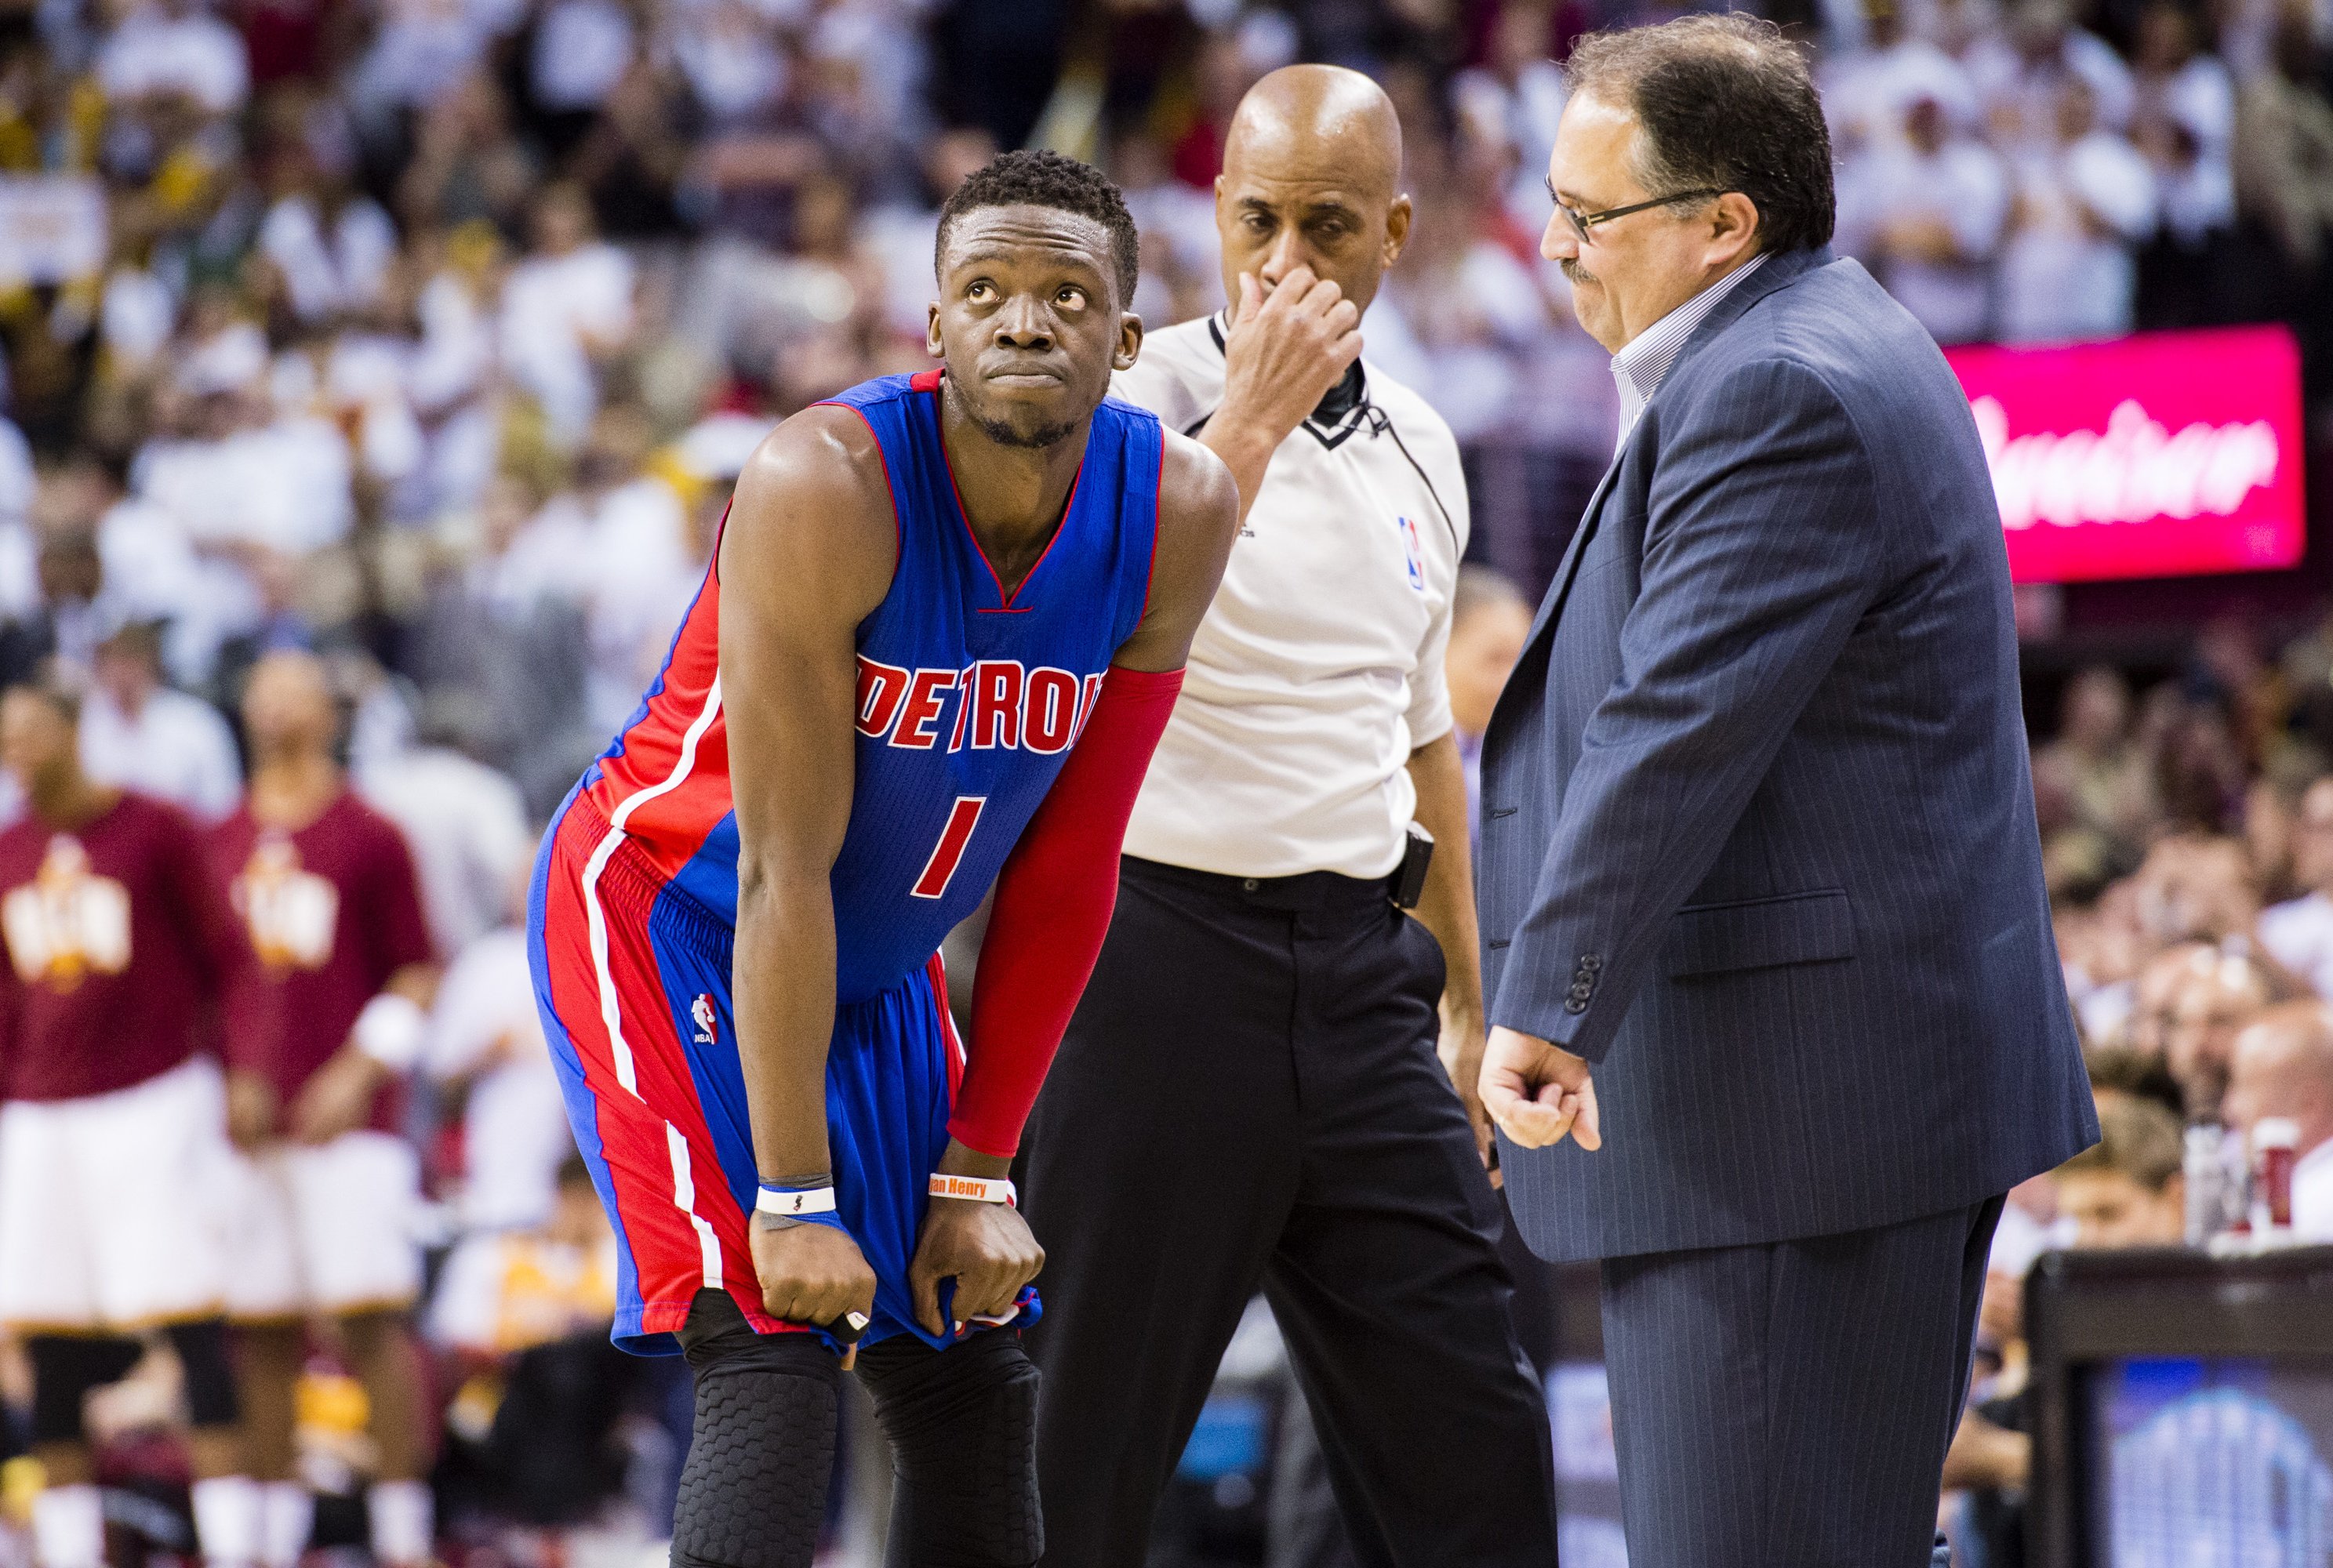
(123, 957)
(333, 911)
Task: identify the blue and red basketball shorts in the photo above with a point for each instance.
(631, 976)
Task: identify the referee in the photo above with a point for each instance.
(1248, 1096)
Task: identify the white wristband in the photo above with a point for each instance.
(975, 1189)
(789, 1205)
(390, 1031)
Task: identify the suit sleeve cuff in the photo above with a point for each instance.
(1550, 1019)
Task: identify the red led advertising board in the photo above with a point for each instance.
(2159, 455)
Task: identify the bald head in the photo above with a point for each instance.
(1311, 178)
(1319, 122)
(2283, 1066)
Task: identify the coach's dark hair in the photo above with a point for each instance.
(1039, 178)
(1724, 102)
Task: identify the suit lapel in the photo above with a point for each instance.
(1778, 272)
(1568, 566)
(1542, 627)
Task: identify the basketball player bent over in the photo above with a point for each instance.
(944, 628)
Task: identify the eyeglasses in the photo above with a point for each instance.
(1582, 222)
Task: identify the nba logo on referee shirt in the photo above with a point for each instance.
(1415, 551)
(701, 1010)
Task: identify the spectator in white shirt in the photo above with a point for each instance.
(581, 50)
(245, 479)
(900, 234)
(20, 586)
(486, 1050)
(2083, 204)
(2177, 81)
(565, 308)
(176, 49)
(2283, 1068)
(139, 734)
(2185, 124)
(466, 824)
(332, 245)
(425, 48)
(1516, 97)
(503, 1293)
(730, 57)
(1866, 92)
(639, 568)
(2020, 72)
(2298, 934)
(1927, 206)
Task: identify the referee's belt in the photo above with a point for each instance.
(1307, 892)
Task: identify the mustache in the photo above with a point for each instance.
(1576, 273)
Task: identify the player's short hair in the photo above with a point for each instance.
(2137, 1138)
(1038, 178)
(1723, 102)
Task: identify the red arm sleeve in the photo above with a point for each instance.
(1053, 902)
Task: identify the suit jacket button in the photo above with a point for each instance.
(1591, 961)
(1575, 1005)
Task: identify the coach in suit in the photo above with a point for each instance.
(1760, 888)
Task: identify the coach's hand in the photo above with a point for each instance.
(984, 1247)
(1537, 1092)
(810, 1273)
(1285, 351)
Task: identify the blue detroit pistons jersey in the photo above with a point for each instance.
(968, 700)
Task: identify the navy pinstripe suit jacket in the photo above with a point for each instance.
(1758, 833)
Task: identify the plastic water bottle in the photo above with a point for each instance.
(2206, 1167)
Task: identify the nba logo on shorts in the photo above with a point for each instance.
(1415, 553)
(701, 1010)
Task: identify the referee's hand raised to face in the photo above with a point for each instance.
(1288, 343)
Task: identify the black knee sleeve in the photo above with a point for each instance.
(209, 1376)
(963, 1426)
(65, 1368)
(753, 1493)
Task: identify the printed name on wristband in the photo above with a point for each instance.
(975, 1189)
(791, 1205)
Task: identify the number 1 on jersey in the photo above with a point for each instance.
(948, 853)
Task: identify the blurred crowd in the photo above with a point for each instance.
(426, 338)
(2035, 173)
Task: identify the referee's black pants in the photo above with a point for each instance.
(1249, 1097)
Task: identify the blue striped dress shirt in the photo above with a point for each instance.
(1638, 366)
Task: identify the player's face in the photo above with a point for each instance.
(35, 737)
(1029, 321)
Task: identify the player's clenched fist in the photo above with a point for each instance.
(1286, 349)
(984, 1247)
(810, 1273)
